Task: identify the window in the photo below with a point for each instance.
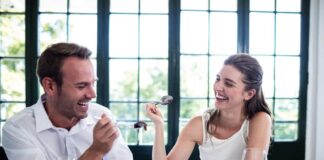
(144, 50)
(12, 59)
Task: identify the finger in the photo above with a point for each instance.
(104, 119)
(111, 134)
(151, 108)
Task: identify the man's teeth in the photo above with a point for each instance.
(84, 103)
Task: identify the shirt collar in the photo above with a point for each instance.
(41, 118)
(43, 122)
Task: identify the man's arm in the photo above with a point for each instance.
(17, 145)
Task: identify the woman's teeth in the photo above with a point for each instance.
(221, 97)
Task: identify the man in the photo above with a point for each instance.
(64, 124)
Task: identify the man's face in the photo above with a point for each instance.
(77, 89)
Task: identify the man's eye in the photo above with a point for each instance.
(81, 86)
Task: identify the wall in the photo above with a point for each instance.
(315, 105)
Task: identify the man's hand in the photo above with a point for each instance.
(104, 135)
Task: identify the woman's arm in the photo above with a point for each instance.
(260, 131)
(191, 134)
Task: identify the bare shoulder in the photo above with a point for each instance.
(260, 131)
(194, 129)
(261, 118)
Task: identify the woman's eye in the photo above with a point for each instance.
(229, 84)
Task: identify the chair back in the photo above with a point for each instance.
(3, 155)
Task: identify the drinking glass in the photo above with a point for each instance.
(254, 154)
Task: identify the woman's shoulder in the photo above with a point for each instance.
(260, 117)
(194, 129)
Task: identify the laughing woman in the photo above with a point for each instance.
(240, 120)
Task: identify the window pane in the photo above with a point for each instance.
(94, 63)
(6, 111)
(156, 6)
(267, 64)
(122, 111)
(127, 118)
(225, 5)
(53, 6)
(12, 35)
(83, 6)
(270, 104)
(79, 24)
(223, 33)
(289, 5)
(287, 77)
(262, 33)
(9, 109)
(194, 4)
(128, 6)
(286, 110)
(154, 36)
(130, 135)
(288, 34)
(147, 137)
(262, 5)
(126, 114)
(215, 65)
(52, 29)
(191, 108)
(153, 79)
(123, 36)
(12, 6)
(123, 80)
(194, 76)
(12, 69)
(194, 32)
(285, 131)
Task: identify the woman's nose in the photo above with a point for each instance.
(218, 87)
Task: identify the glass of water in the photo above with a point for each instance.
(254, 154)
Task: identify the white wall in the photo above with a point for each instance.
(315, 104)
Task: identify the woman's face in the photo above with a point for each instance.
(229, 89)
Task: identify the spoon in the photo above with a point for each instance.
(137, 125)
(165, 100)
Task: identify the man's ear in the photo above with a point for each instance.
(49, 85)
(249, 94)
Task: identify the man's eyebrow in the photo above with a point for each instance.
(83, 82)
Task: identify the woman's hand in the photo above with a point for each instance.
(154, 113)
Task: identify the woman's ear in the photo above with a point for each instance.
(249, 94)
(49, 85)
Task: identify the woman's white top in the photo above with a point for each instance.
(213, 148)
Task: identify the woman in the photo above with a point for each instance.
(240, 119)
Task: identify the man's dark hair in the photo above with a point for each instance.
(51, 60)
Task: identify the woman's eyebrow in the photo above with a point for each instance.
(230, 80)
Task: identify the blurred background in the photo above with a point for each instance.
(144, 49)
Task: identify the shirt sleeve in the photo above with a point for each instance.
(120, 149)
(17, 144)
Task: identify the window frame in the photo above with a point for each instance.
(293, 150)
